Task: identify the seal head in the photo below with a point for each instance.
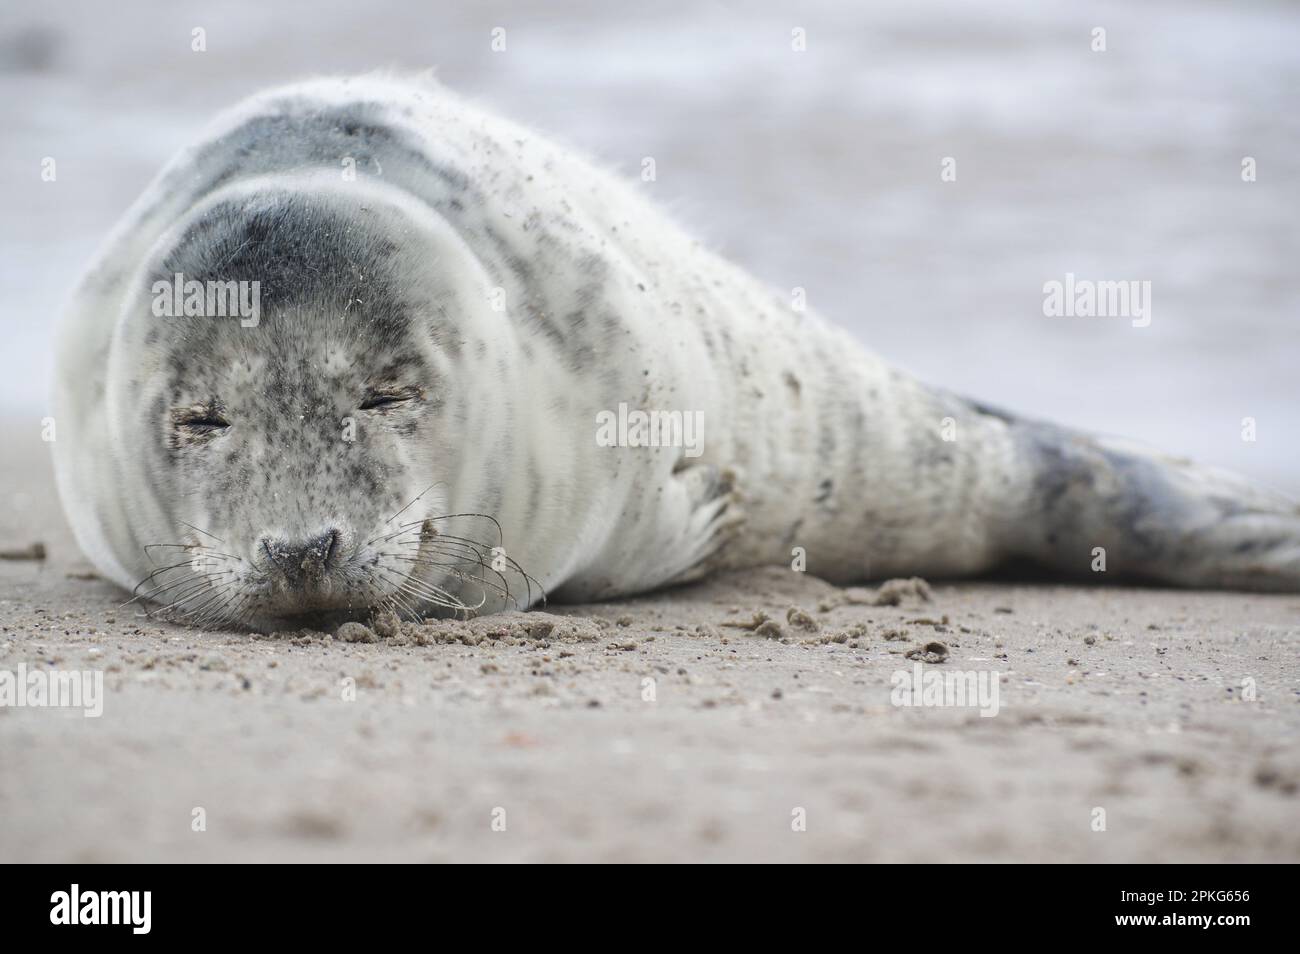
(301, 459)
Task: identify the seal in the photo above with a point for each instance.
(462, 367)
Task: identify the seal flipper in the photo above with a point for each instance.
(1096, 502)
(715, 519)
(680, 537)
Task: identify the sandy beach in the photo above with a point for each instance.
(1130, 701)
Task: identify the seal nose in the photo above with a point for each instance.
(300, 564)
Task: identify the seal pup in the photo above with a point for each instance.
(447, 398)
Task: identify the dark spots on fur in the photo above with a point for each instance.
(936, 455)
(582, 356)
(407, 426)
(728, 346)
(824, 490)
(1146, 505)
(588, 294)
(710, 345)
(826, 437)
(396, 368)
(1057, 471)
(517, 264)
(595, 267)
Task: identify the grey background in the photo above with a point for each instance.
(817, 169)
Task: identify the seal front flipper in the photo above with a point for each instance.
(714, 519)
(676, 532)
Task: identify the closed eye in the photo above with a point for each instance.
(199, 419)
(379, 399)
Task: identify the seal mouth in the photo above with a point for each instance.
(418, 570)
(330, 578)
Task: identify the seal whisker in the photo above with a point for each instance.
(407, 507)
(454, 564)
(195, 547)
(452, 516)
(479, 547)
(437, 596)
(245, 603)
(396, 600)
(245, 607)
(465, 553)
(163, 603)
(217, 615)
(204, 532)
(391, 599)
(201, 589)
(434, 594)
(502, 588)
(164, 585)
(431, 587)
(473, 552)
(429, 592)
(135, 592)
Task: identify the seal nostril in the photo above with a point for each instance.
(273, 550)
(301, 563)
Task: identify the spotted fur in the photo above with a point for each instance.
(510, 291)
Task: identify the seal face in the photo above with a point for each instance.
(304, 452)
(363, 347)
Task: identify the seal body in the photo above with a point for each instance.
(457, 319)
